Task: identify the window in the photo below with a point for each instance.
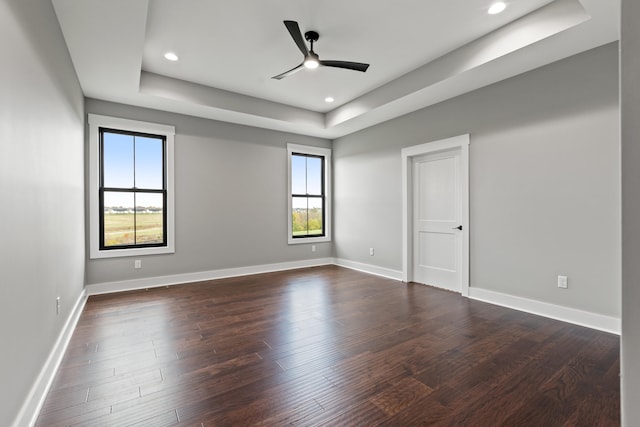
(131, 188)
(309, 194)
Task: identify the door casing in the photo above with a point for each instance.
(408, 154)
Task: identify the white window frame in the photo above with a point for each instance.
(326, 154)
(95, 123)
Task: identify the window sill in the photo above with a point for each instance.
(120, 253)
(309, 240)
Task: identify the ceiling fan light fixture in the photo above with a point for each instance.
(497, 8)
(311, 62)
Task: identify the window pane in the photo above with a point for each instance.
(149, 219)
(299, 216)
(298, 174)
(306, 216)
(149, 163)
(117, 152)
(118, 219)
(314, 175)
(315, 222)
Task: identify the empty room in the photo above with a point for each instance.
(320, 213)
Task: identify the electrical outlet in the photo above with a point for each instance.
(57, 306)
(372, 251)
(563, 282)
(137, 263)
(313, 248)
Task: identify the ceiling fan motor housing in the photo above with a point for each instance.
(311, 36)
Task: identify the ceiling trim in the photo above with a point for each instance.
(194, 93)
(110, 67)
(545, 22)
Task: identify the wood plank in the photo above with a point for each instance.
(327, 346)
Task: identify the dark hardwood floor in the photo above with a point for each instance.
(327, 346)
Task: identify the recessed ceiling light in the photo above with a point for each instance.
(497, 8)
(329, 99)
(171, 56)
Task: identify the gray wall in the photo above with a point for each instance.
(544, 183)
(41, 193)
(630, 104)
(231, 198)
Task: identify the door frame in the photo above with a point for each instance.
(460, 142)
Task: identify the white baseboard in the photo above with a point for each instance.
(175, 279)
(368, 268)
(35, 399)
(566, 314)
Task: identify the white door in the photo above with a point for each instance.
(437, 220)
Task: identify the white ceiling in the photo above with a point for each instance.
(421, 52)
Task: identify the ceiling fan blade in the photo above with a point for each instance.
(294, 30)
(288, 73)
(357, 66)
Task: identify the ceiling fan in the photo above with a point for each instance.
(311, 59)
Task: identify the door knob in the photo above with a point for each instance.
(457, 228)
